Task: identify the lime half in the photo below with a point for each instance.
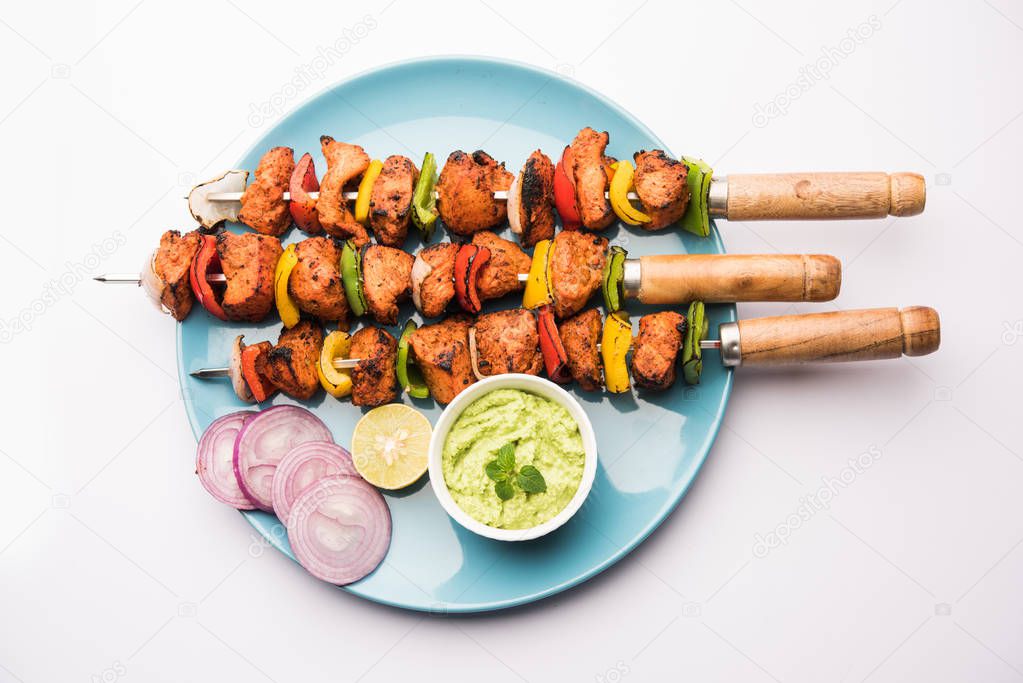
(390, 446)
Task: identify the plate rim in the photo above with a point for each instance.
(675, 497)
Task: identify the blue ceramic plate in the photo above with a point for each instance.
(651, 445)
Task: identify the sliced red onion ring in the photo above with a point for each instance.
(303, 466)
(264, 440)
(339, 529)
(214, 461)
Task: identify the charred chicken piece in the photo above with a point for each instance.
(580, 335)
(263, 206)
(442, 353)
(577, 265)
(315, 281)
(374, 381)
(248, 261)
(536, 200)
(656, 348)
(386, 281)
(291, 365)
(588, 173)
(345, 163)
(465, 192)
(390, 204)
(507, 341)
(173, 260)
(661, 186)
(500, 275)
(437, 288)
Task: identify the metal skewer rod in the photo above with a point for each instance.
(349, 363)
(118, 279)
(129, 279)
(237, 196)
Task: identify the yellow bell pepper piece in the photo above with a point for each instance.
(614, 347)
(286, 306)
(336, 382)
(621, 185)
(538, 285)
(366, 190)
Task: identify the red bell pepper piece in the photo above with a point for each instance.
(463, 263)
(555, 359)
(564, 193)
(259, 385)
(468, 262)
(302, 208)
(205, 263)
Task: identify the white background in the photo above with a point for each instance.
(114, 564)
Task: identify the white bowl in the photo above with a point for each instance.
(533, 385)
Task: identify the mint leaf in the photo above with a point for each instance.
(506, 457)
(495, 471)
(504, 489)
(530, 480)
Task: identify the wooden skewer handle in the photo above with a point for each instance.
(724, 278)
(794, 196)
(867, 334)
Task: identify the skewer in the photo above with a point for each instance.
(681, 278)
(713, 278)
(837, 336)
(349, 363)
(778, 196)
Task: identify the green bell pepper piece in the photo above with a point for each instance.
(351, 278)
(611, 283)
(424, 203)
(696, 219)
(692, 354)
(409, 376)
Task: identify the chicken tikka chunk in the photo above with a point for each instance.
(374, 381)
(291, 364)
(315, 281)
(172, 264)
(442, 353)
(536, 203)
(661, 186)
(656, 348)
(438, 288)
(587, 171)
(386, 281)
(577, 267)
(580, 335)
(465, 192)
(249, 261)
(500, 275)
(263, 206)
(345, 163)
(507, 341)
(390, 204)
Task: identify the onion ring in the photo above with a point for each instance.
(303, 466)
(474, 355)
(264, 440)
(339, 529)
(420, 271)
(214, 460)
